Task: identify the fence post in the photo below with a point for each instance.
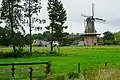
(48, 68)
(78, 67)
(106, 65)
(31, 70)
(13, 71)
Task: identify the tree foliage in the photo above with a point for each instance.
(47, 35)
(38, 36)
(117, 36)
(27, 39)
(11, 15)
(108, 35)
(32, 11)
(109, 38)
(57, 15)
(4, 37)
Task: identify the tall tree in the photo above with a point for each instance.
(11, 15)
(57, 15)
(32, 11)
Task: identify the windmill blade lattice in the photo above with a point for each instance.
(99, 19)
(84, 15)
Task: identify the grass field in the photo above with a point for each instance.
(89, 57)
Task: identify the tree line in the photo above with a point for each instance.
(18, 14)
(110, 38)
(46, 36)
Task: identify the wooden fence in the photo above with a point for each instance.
(48, 68)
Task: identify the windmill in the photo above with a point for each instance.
(90, 33)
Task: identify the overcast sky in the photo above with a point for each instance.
(106, 9)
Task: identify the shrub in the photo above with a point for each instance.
(73, 75)
(15, 55)
(6, 54)
(21, 54)
(37, 53)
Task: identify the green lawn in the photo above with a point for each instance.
(87, 56)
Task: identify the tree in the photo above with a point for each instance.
(38, 36)
(57, 15)
(72, 39)
(47, 35)
(32, 11)
(19, 41)
(27, 39)
(35, 36)
(108, 37)
(117, 36)
(11, 15)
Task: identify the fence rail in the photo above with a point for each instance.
(32, 63)
(48, 68)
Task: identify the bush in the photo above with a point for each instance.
(6, 54)
(53, 53)
(36, 53)
(14, 55)
(73, 75)
(21, 54)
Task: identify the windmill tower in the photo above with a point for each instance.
(90, 33)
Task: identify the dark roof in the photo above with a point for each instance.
(90, 34)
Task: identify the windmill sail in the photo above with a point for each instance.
(92, 9)
(90, 20)
(90, 34)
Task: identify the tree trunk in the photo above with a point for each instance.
(11, 22)
(14, 48)
(51, 46)
(30, 28)
(51, 43)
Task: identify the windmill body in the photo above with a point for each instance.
(90, 33)
(89, 27)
